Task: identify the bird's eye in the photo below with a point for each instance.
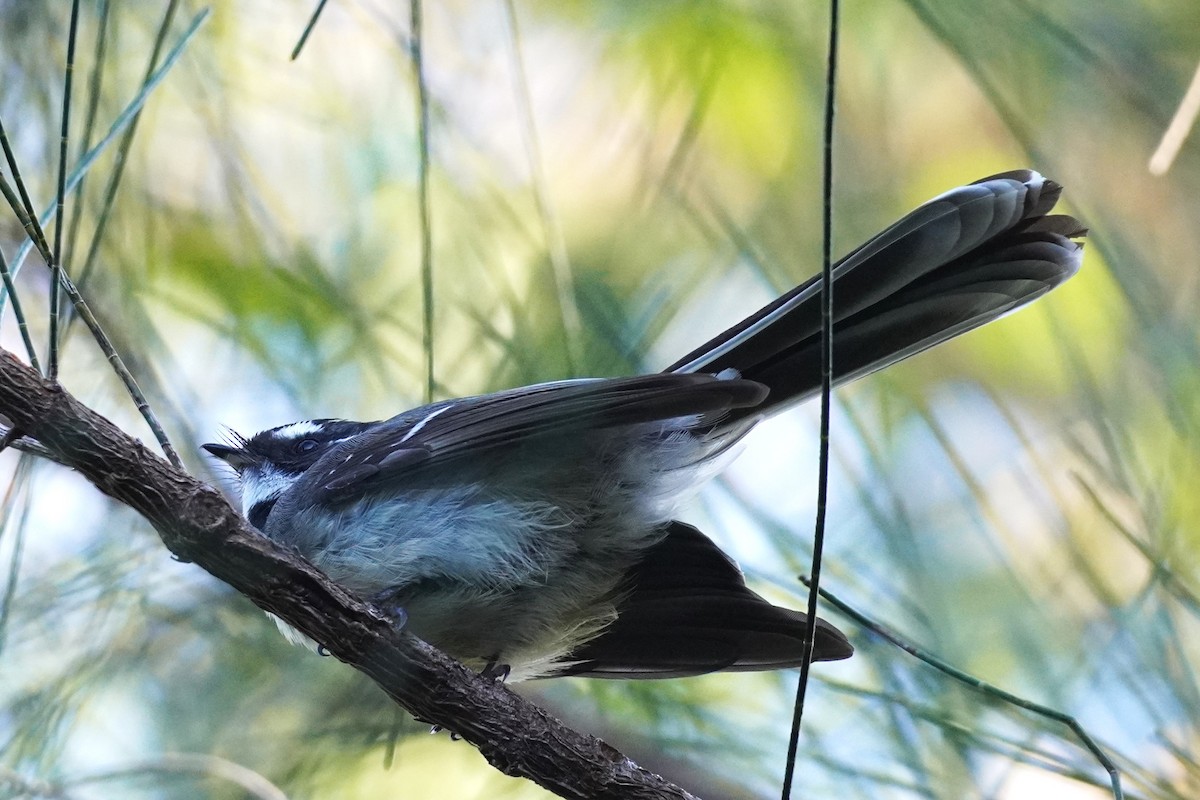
(306, 445)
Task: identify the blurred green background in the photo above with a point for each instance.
(611, 184)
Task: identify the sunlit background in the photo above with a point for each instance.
(611, 183)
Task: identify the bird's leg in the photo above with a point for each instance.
(495, 670)
(397, 614)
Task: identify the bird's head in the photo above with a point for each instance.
(270, 462)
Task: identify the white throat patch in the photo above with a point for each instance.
(263, 483)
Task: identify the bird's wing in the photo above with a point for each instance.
(686, 610)
(556, 416)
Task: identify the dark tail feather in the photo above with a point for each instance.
(687, 611)
(959, 261)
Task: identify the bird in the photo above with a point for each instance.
(531, 532)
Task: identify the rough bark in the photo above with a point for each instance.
(198, 525)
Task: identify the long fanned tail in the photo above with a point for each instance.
(957, 262)
(961, 260)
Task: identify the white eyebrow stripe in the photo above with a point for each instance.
(295, 429)
(415, 428)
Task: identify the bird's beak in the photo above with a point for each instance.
(235, 457)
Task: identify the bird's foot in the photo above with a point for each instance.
(495, 670)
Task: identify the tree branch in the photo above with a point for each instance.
(198, 525)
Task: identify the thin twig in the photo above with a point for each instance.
(131, 385)
(57, 268)
(826, 395)
(312, 23)
(982, 686)
(118, 125)
(22, 206)
(57, 273)
(1179, 128)
(18, 314)
(95, 83)
(31, 224)
(122, 153)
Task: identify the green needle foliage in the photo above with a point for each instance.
(609, 184)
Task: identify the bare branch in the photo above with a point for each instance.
(198, 525)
